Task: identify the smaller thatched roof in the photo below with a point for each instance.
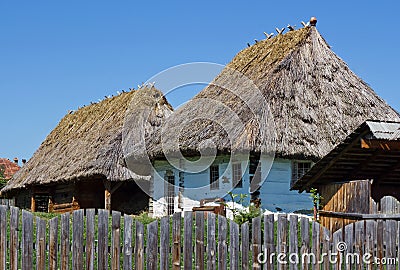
(372, 151)
(88, 143)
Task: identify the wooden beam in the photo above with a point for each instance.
(380, 144)
(333, 161)
(33, 202)
(365, 163)
(107, 199)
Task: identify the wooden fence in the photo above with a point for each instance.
(86, 240)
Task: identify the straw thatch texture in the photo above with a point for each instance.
(88, 142)
(315, 100)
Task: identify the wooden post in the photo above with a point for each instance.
(33, 203)
(107, 195)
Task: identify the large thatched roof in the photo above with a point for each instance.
(315, 100)
(88, 142)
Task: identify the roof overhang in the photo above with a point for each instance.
(372, 151)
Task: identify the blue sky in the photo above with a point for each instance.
(58, 55)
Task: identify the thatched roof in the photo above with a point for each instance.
(88, 142)
(315, 100)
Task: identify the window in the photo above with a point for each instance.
(237, 175)
(299, 168)
(214, 177)
(169, 191)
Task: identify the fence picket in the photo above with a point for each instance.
(187, 240)
(315, 248)
(379, 241)
(14, 222)
(40, 244)
(27, 240)
(348, 239)
(90, 238)
(390, 236)
(282, 238)
(53, 243)
(245, 245)
(211, 252)
(359, 247)
(222, 247)
(115, 240)
(65, 244)
(293, 241)
(370, 232)
(3, 236)
(256, 241)
(128, 222)
(77, 239)
(337, 238)
(269, 245)
(102, 240)
(164, 243)
(305, 241)
(234, 245)
(139, 246)
(152, 245)
(325, 241)
(176, 239)
(199, 240)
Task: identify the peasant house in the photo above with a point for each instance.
(277, 108)
(79, 164)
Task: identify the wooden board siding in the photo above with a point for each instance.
(275, 192)
(351, 197)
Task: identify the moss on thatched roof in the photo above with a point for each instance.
(315, 100)
(88, 143)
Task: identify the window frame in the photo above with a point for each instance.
(214, 177)
(237, 175)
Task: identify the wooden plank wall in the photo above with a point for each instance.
(351, 197)
(203, 241)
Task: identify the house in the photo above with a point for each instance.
(357, 174)
(79, 164)
(8, 168)
(277, 108)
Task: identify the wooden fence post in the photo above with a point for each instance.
(152, 246)
(188, 240)
(139, 246)
(211, 252)
(176, 240)
(222, 247)
(77, 240)
(102, 254)
(128, 222)
(65, 241)
(199, 240)
(27, 240)
(164, 242)
(3, 236)
(115, 240)
(90, 238)
(40, 244)
(256, 241)
(53, 243)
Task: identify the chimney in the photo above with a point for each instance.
(16, 160)
(313, 21)
(23, 161)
